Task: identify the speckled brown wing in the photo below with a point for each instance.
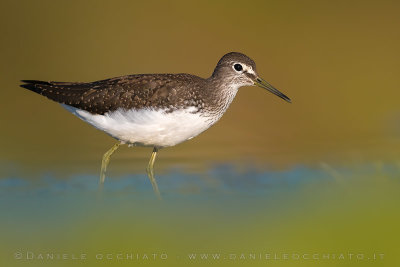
(128, 92)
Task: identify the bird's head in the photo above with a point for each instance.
(240, 70)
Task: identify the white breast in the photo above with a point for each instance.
(148, 127)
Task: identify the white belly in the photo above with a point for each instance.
(148, 127)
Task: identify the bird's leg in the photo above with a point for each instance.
(150, 172)
(105, 161)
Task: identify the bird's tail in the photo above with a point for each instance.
(65, 93)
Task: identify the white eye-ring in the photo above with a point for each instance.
(238, 67)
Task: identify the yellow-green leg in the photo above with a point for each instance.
(150, 172)
(105, 161)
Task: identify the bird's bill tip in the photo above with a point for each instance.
(264, 84)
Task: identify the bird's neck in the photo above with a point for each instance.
(221, 93)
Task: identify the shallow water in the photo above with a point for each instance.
(301, 217)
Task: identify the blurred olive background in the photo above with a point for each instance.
(337, 60)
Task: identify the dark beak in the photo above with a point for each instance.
(264, 84)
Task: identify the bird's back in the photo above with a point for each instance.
(159, 91)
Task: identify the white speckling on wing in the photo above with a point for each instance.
(148, 127)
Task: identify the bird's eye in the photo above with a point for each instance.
(238, 67)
